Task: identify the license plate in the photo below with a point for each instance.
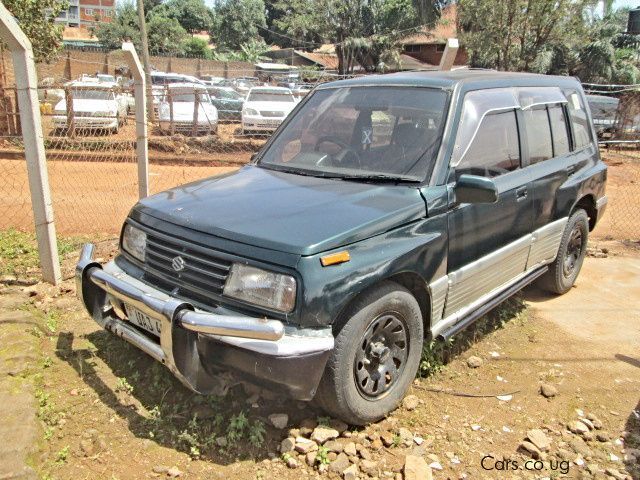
(143, 320)
(273, 122)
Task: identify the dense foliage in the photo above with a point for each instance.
(569, 37)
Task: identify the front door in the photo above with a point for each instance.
(489, 243)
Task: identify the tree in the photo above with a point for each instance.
(37, 21)
(519, 34)
(123, 27)
(238, 22)
(165, 35)
(195, 47)
(193, 15)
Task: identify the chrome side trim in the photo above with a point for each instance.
(545, 243)
(601, 202)
(438, 292)
(478, 282)
(485, 274)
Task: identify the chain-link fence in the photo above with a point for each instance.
(200, 130)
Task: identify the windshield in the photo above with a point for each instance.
(230, 94)
(98, 94)
(270, 96)
(188, 97)
(375, 132)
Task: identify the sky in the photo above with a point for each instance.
(627, 3)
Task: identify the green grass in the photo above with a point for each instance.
(19, 251)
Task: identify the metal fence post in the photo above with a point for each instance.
(142, 141)
(27, 85)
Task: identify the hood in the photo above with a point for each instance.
(184, 111)
(271, 106)
(285, 212)
(81, 105)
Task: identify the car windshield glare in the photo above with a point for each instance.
(270, 97)
(188, 97)
(368, 132)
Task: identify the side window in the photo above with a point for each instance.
(536, 124)
(579, 120)
(559, 130)
(495, 150)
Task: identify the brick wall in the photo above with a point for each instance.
(90, 62)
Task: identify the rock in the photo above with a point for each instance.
(548, 391)
(587, 422)
(287, 445)
(174, 472)
(350, 473)
(418, 440)
(577, 427)
(539, 439)
(86, 445)
(387, 438)
(291, 462)
(603, 436)
(279, 420)
(73, 392)
(311, 458)
(364, 453)
(615, 474)
(304, 445)
(369, 467)
(350, 449)
(415, 468)
(580, 447)
(411, 402)
(530, 448)
(322, 434)
(474, 362)
(406, 436)
(160, 469)
(340, 464)
(335, 446)
(338, 425)
(376, 444)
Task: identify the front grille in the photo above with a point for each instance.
(202, 272)
(270, 113)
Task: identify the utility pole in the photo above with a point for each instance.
(145, 57)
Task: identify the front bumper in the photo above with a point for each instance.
(263, 124)
(192, 342)
(86, 122)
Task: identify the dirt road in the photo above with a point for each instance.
(111, 412)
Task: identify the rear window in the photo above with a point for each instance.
(536, 124)
(579, 120)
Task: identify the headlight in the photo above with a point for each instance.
(134, 242)
(249, 111)
(262, 288)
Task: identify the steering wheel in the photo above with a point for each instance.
(346, 150)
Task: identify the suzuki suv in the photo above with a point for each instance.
(384, 212)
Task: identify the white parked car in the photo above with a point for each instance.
(178, 107)
(95, 106)
(266, 108)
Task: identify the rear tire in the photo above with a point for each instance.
(376, 355)
(564, 270)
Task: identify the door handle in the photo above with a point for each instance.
(571, 169)
(521, 193)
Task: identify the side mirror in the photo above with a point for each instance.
(475, 189)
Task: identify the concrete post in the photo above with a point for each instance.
(142, 141)
(449, 55)
(27, 85)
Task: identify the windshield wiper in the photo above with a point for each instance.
(380, 177)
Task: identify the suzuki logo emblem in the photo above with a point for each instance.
(178, 263)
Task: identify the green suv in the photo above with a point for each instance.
(384, 212)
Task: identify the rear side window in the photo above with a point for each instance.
(536, 124)
(495, 149)
(559, 130)
(579, 120)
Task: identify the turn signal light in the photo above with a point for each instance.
(335, 258)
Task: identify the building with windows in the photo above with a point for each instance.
(85, 13)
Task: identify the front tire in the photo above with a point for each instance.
(564, 270)
(376, 355)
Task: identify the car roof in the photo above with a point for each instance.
(468, 77)
(197, 86)
(270, 89)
